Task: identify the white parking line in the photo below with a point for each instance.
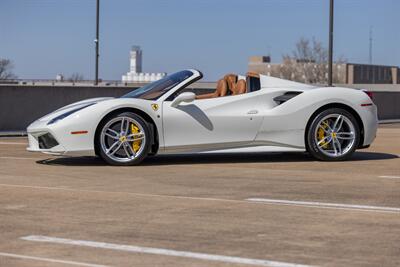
(325, 205)
(119, 192)
(49, 260)
(237, 201)
(389, 177)
(161, 251)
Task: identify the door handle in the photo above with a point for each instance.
(253, 111)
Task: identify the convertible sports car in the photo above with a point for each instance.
(167, 117)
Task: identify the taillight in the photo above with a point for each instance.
(369, 93)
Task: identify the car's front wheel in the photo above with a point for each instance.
(123, 139)
(333, 135)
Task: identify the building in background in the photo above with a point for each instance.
(372, 74)
(135, 73)
(135, 59)
(59, 77)
(310, 72)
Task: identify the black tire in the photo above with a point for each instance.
(146, 143)
(322, 154)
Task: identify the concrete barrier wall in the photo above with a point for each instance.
(22, 104)
(388, 105)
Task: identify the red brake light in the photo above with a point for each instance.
(370, 94)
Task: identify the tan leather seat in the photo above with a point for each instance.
(235, 87)
(241, 87)
(221, 90)
(229, 85)
(253, 74)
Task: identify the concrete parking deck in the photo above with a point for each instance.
(261, 209)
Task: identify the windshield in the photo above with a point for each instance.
(156, 89)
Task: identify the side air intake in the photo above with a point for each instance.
(285, 97)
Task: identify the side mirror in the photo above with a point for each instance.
(184, 97)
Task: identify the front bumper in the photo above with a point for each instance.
(57, 139)
(44, 141)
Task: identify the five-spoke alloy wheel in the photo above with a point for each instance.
(334, 134)
(123, 139)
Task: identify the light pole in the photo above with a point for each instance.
(96, 41)
(330, 59)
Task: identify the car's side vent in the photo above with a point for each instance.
(285, 97)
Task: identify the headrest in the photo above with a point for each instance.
(253, 74)
(231, 76)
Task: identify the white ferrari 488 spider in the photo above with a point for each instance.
(167, 116)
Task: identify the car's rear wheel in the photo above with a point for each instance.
(333, 135)
(123, 139)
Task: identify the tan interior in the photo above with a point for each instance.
(229, 85)
(253, 74)
(221, 90)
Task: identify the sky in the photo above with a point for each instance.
(47, 37)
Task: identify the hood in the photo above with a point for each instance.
(73, 106)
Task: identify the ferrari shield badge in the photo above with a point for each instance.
(154, 107)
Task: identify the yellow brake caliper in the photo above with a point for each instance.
(321, 134)
(136, 144)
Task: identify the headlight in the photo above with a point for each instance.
(66, 114)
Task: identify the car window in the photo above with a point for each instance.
(158, 88)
